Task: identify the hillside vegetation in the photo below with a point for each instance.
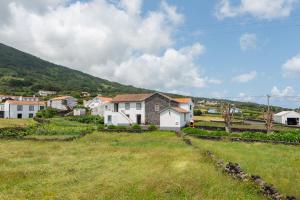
(24, 74)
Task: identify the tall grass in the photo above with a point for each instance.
(277, 164)
(155, 165)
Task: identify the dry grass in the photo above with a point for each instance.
(277, 164)
(155, 165)
(15, 122)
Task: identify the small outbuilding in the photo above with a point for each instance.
(287, 118)
(79, 111)
(173, 118)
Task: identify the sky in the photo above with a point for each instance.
(235, 49)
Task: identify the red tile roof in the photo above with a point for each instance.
(41, 103)
(104, 99)
(183, 100)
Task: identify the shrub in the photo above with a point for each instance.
(152, 128)
(112, 127)
(197, 112)
(100, 127)
(87, 119)
(136, 127)
(46, 113)
(15, 132)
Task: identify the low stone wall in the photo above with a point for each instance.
(235, 171)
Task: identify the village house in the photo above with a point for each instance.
(45, 93)
(62, 103)
(98, 105)
(150, 109)
(17, 98)
(22, 109)
(287, 118)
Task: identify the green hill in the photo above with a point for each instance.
(25, 74)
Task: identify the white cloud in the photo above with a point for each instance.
(288, 91)
(243, 78)
(248, 41)
(244, 97)
(262, 9)
(109, 39)
(292, 66)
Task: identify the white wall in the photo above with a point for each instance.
(58, 104)
(188, 107)
(12, 112)
(171, 119)
(132, 112)
(282, 119)
(79, 112)
(117, 118)
(101, 108)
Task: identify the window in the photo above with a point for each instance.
(156, 108)
(31, 108)
(106, 107)
(184, 117)
(138, 106)
(109, 118)
(190, 107)
(19, 108)
(30, 115)
(42, 107)
(127, 106)
(20, 116)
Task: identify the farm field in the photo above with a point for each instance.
(156, 165)
(277, 164)
(15, 122)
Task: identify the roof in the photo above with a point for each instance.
(104, 99)
(42, 103)
(285, 112)
(183, 100)
(61, 98)
(137, 97)
(176, 109)
(131, 97)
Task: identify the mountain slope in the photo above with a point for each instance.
(25, 74)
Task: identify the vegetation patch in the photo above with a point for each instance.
(87, 119)
(287, 136)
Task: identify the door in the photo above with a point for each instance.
(19, 116)
(138, 119)
(116, 107)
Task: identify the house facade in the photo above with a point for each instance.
(45, 93)
(22, 109)
(17, 98)
(62, 103)
(146, 109)
(287, 118)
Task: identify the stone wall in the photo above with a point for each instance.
(152, 116)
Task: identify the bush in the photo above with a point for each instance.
(152, 128)
(100, 127)
(197, 112)
(136, 127)
(46, 113)
(14, 132)
(112, 127)
(87, 119)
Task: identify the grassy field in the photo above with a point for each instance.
(277, 164)
(15, 122)
(155, 165)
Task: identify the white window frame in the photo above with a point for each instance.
(127, 106)
(156, 108)
(139, 106)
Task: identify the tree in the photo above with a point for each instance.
(268, 117)
(227, 112)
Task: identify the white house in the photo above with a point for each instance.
(1, 110)
(17, 98)
(174, 118)
(149, 109)
(62, 103)
(22, 109)
(79, 111)
(45, 93)
(287, 117)
(98, 105)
